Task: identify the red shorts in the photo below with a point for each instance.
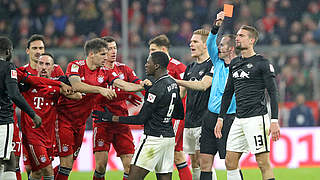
(37, 157)
(118, 134)
(178, 126)
(16, 141)
(69, 140)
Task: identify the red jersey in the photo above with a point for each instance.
(57, 71)
(75, 112)
(176, 69)
(124, 72)
(43, 103)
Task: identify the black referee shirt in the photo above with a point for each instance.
(9, 91)
(162, 103)
(248, 79)
(197, 101)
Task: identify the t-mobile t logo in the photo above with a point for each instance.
(37, 101)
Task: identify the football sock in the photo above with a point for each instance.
(272, 179)
(184, 171)
(48, 177)
(30, 178)
(125, 176)
(63, 173)
(205, 175)
(234, 174)
(196, 173)
(55, 170)
(98, 176)
(1, 170)
(18, 174)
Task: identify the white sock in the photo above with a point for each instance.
(1, 170)
(214, 175)
(233, 174)
(9, 175)
(196, 173)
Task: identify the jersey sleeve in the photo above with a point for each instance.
(180, 69)
(110, 77)
(58, 71)
(73, 69)
(131, 75)
(212, 47)
(269, 75)
(210, 69)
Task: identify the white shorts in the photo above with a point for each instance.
(6, 135)
(250, 134)
(155, 154)
(191, 140)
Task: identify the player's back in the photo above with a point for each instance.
(164, 99)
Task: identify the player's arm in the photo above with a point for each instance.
(14, 94)
(212, 38)
(183, 91)
(271, 86)
(227, 96)
(79, 86)
(130, 87)
(178, 111)
(202, 85)
(74, 95)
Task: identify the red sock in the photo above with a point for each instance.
(55, 171)
(125, 176)
(96, 178)
(184, 171)
(61, 177)
(18, 174)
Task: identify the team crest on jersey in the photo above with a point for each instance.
(240, 74)
(151, 98)
(43, 158)
(65, 148)
(100, 142)
(100, 79)
(74, 68)
(249, 65)
(200, 73)
(14, 74)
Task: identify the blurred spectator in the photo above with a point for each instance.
(301, 115)
(59, 20)
(69, 38)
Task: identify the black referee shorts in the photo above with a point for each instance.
(209, 144)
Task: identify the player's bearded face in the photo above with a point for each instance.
(149, 66)
(197, 46)
(45, 66)
(35, 50)
(243, 40)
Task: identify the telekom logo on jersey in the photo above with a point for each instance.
(37, 101)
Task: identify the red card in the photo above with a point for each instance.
(228, 10)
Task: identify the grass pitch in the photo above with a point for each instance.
(249, 174)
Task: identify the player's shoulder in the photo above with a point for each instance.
(79, 62)
(56, 66)
(118, 64)
(174, 61)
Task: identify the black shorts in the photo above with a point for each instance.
(209, 144)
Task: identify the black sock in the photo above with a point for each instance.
(272, 179)
(98, 174)
(64, 171)
(241, 174)
(205, 175)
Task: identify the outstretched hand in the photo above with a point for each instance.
(100, 116)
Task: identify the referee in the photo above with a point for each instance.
(9, 92)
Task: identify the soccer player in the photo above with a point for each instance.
(221, 57)
(9, 92)
(196, 82)
(249, 76)
(38, 143)
(35, 47)
(176, 70)
(119, 135)
(162, 103)
(86, 76)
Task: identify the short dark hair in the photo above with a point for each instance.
(161, 40)
(108, 39)
(35, 37)
(160, 58)
(48, 54)
(5, 44)
(232, 42)
(253, 33)
(94, 45)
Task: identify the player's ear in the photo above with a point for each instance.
(156, 66)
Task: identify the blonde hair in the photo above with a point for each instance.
(203, 33)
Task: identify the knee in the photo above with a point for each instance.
(263, 164)
(205, 164)
(66, 161)
(101, 166)
(36, 174)
(179, 157)
(230, 164)
(47, 171)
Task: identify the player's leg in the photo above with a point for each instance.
(189, 144)
(6, 153)
(17, 149)
(137, 173)
(259, 142)
(179, 155)
(102, 138)
(236, 145)
(164, 176)
(26, 160)
(196, 169)
(123, 144)
(208, 147)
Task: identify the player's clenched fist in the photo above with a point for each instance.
(100, 116)
(108, 93)
(36, 121)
